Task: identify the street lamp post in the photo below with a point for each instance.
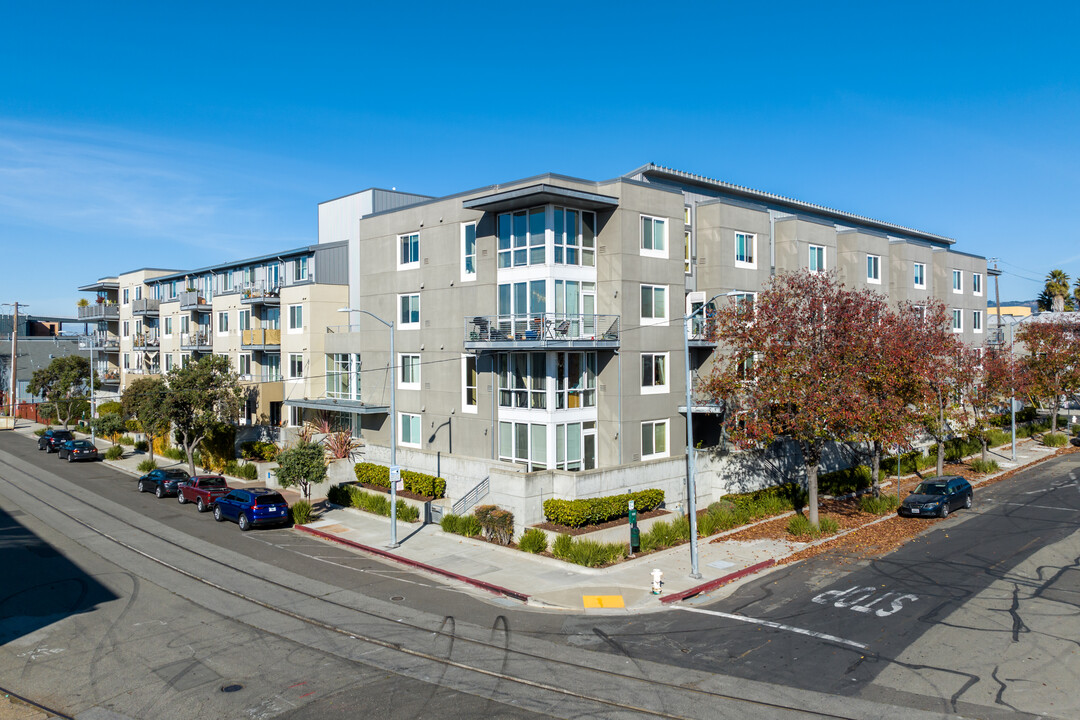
(393, 422)
(691, 487)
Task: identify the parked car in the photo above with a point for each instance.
(73, 450)
(937, 496)
(259, 506)
(163, 481)
(203, 490)
(52, 440)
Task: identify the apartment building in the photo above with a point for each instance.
(540, 322)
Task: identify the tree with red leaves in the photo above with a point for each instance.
(989, 381)
(1052, 360)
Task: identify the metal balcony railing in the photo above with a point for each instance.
(701, 331)
(105, 341)
(542, 330)
(145, 306)
(261, 293)
(260, 337)
(195, 340)
(100, 311)
(193, 300)
(147, 340)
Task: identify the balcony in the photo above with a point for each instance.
(146, 341)
(112, 377)
(106, 342)
(100, 311)
(194, 300)
(261, 339)
(145, 306)
(701, 332)
(151, 369)
(547, 330)
(196, 341)
(261, 294)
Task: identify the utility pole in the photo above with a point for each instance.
(14, 348)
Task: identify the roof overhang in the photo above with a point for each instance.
(703, 409)
(100, 285)
(540, 194)
(338, 405)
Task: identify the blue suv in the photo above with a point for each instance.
(252, 507)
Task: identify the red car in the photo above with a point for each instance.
(203, 490)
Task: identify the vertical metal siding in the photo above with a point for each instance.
(332, 265)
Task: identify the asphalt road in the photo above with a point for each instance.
(971, 618)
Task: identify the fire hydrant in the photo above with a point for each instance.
(657, 581)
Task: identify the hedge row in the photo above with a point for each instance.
(419, 483)
(377, 503)
(593, 511)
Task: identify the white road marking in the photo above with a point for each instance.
(1042, 507)
(775, 625)
(853, 598)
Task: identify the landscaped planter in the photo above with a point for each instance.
(615, 533)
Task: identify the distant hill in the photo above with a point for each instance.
(1033, 304)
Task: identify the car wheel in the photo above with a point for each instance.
(945, 510)
(217, 514)
(160, 492)
(967, 501)
(245, 524)
(200, 505)
(180, 498)
(71, 458)
(142, 488)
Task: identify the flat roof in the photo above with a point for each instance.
(540, 194)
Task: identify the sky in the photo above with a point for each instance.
(179, 135)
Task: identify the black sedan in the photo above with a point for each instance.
(163, 481)
(73, 450)
(937, 496)
(51, 441)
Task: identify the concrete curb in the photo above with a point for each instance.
(713, 584)
(490, 587)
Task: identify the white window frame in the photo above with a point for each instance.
(957, 320)
(240, 357)
(411, 325)
(222, 320)
(292, 360)
(688, 215)
(977, 322)
(873, 262)
(824, 258)
(667, 304)
(653, 251)
(666, 452)
(467, 276)
(127, 297)
(299, 328)
(300, 269)
(126, 329)
(915, 275)
(168, 362)
(958, 282)
(688, 241)
(168, 326)
(976, 284)
(407, 264)
(654, 389)
(751, 240)
(413, 360)
(402, 419)
(465, 406)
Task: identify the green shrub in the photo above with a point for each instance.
(110, 407)
(40, 431)
(799, 524)
(141, 446)
(1024, 431)
(846, 481)
(248, 472)
(300, 512)
(665, 534)
(256, 450)
(1076, 429)
(533, 541)
(219, 447)
(419, 483)
(174, 454)
(984, 466)
(1054, 439)
(114, 453)
(720, 518)
(379, 504)
(768, 501)
(466, 525)
(147, 465)
(497, 524)
(338, 495)
(593, 511)
(828, 525)
(997, 438)
(127, 440)
(721, 506)
(561, 547)
(881, 505)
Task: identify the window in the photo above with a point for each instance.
(575, 380)
(745, 250)
(185, 360)
(654, 376)
(958, 320)
(245, 320)
(296, 365)
(168, 362)
(243, 364)
(920, 276)
(468, 251)
(185, 324)
(523, 380)
(653, 236)
(744, 370)
(410, 429)
(687, 214)
(138, 292)
(168, 326)
(468, 384)
(300, 269)
(686, 252)
(817, 258)
(343, 376)
(873, 269)
(126, 296)
(127, 328)
(653, 303)
(522, 238)
(223, 323)
(410, 372)
(524, 443)
(575, 446)
(575, 237)
(127, 361)
(271, 319)
(976, 321)
(654, 439)
(976, 283)
(409, 251)
(296, 317)
(410, 311)
(958, 281)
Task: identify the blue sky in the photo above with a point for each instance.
(184, 134)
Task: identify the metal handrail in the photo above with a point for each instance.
(541, 327)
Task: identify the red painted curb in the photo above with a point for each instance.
(498, 590)
(713, 584)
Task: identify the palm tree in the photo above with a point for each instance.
(1057, 290)
(1076, 293)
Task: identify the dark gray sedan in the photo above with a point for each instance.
(73, 450)
(937, 497)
